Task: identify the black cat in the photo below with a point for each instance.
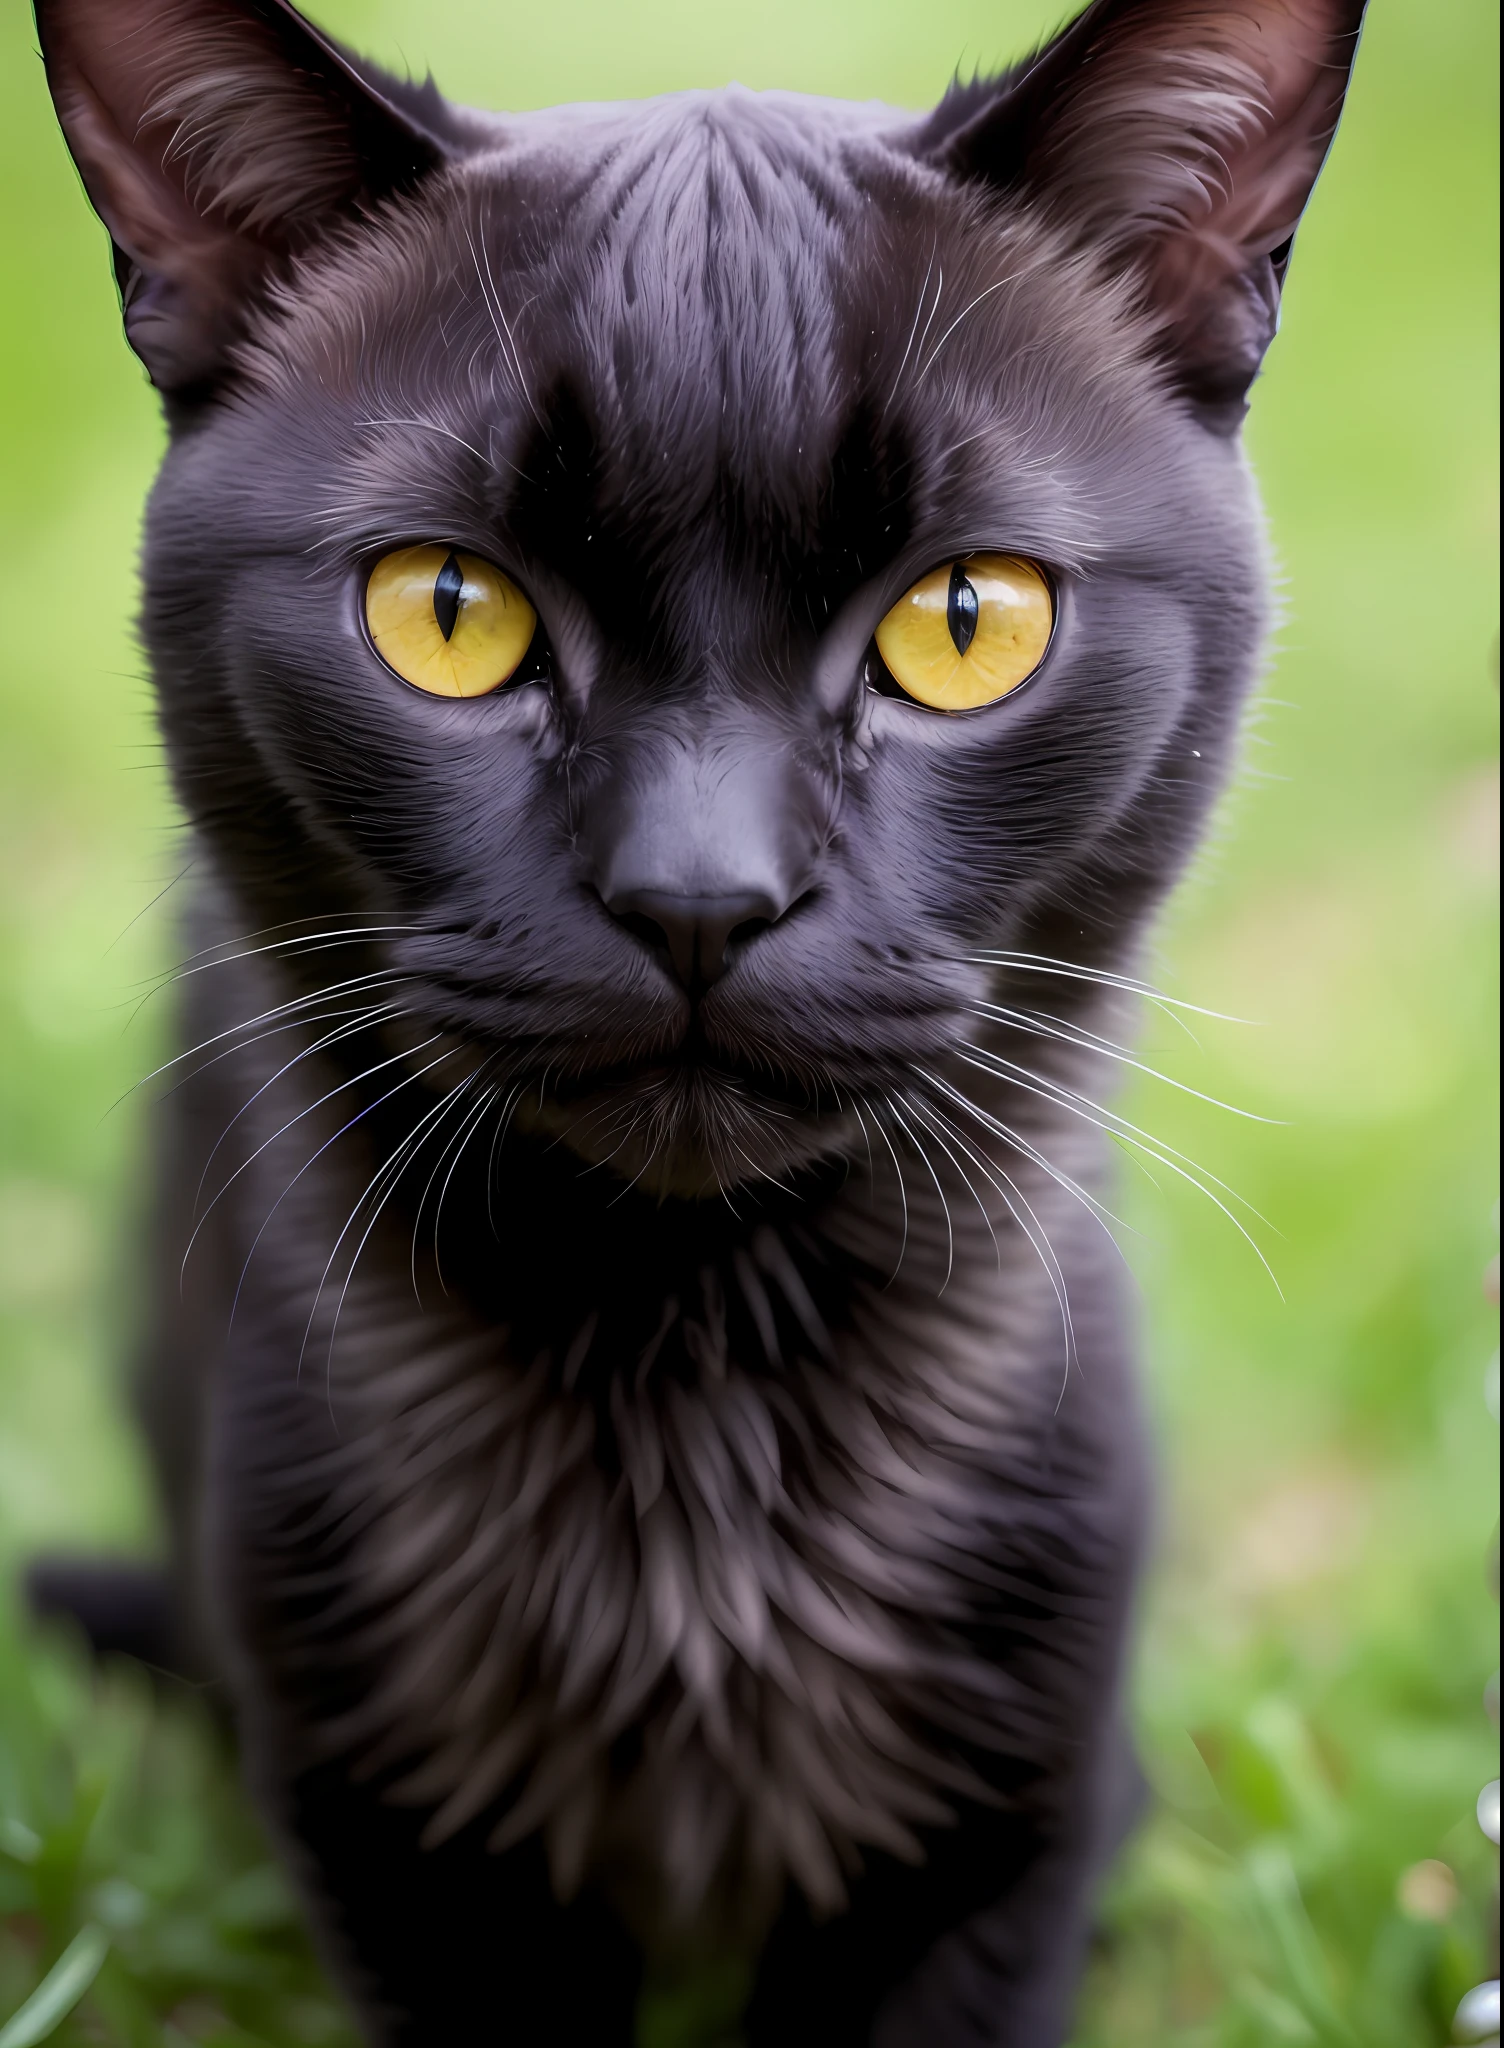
(692, 637)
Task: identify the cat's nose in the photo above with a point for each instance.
(699, 843)
(694, 930)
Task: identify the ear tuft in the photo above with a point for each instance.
(1182, 138)
(216, 138)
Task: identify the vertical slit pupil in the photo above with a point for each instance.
(447, 587)
(961, 608)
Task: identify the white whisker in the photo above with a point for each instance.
(351, 1028)
(487, 1099)
(1044, 1250)
(427, 426)
(1042, 1027)
(1127, 1133)
(456, 1095)
(964, 314)
(390, 1170)
(294, 948)
(903, 1194)
(1022, 1145)
(308, 1110)
(913, 329)
(244, 1044)
(925, 1112)
(498, 1139)
(360, 1115)
(1069, 970)
(1113, 1122)
(891, 1103)
(383, 977)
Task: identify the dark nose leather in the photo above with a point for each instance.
(695, 929)
(698, 841)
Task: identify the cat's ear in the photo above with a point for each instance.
(1184, 137)
(217, 138)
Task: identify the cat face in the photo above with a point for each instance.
(703, 388)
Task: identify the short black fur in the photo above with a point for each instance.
(649, 1426)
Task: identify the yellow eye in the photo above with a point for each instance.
(969, 633)
(448, 623)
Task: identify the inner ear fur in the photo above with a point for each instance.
(215, 139)
(1183, 138)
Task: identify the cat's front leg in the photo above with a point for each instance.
(980, 1947)
(444, 1946)
(449, 1947)
(1008, 1976)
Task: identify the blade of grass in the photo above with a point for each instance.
(59, 1991)
(1276, 1893)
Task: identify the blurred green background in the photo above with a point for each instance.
(1319, 1632)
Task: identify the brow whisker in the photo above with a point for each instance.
(426, 426)
(151, 904)
(914, 327)
(965, 313)
(502, 326)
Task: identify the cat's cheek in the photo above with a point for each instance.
(894, 722)
(526, 714)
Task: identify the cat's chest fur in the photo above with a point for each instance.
(711, 1622)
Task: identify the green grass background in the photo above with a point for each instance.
(1319, 1631)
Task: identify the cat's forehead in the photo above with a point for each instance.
(725, 235)
(709, 231)
(716, 316)
(785, 125)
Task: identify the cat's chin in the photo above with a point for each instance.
(690, 1134)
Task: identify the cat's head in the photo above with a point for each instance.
(689, 577)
